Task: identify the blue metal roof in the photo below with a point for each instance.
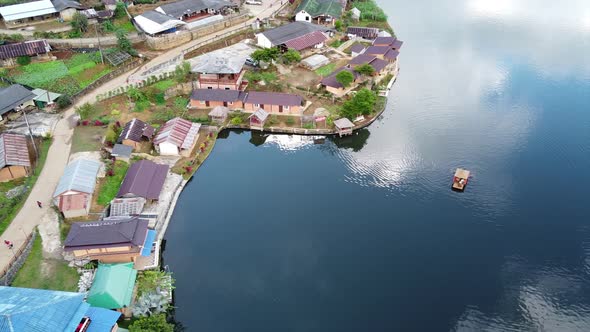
(37, 310)
(101, 320)
(79, 175)
(149, 240)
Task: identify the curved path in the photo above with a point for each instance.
(31, 215)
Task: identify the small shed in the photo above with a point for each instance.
(122, 152)
(14, 157)
(357, 49)
(343, 126)
(258, 118)
(44, 98)
(355, 14)
(73, 194)
(177, 136)
(218, 114)
(315, 61)
(113, 286)
(135, 132)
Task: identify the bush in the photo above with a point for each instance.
(266, 54)
(370, 11)
(154, 323)
(290, 121)
(365, 69)
(120, 10)
(291, 56)
(63, 101)
(363, 102)
(79, 22)
(124, 43)
(345, 78)
(236, 120)
(107, 26)
(182, 71)
(86, 111)
(23, 60)
(338, 25)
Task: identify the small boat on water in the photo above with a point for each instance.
(460, 179)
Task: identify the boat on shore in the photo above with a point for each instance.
(460, 179)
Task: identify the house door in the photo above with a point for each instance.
(207, 103)
(225, 103)
(280, 108)
(262, 106)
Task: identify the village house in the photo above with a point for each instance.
(131, 206)
(45, 99)
(112, 287)
(156, 23)
(13, 99)
(315, 61)
(119, 240)
(36, 49)
(73, 195)
(391, 42)
(28, 309)
(134, 133)
(122, 152)
(320, 11)
(378, 65)
(191, 10)
(355, 14)
(258, 119)
(357, 49)
(382, 52)
(177, 137)
(110, 4)
(295, 35)
(221, 71)
(218, 114)
(343, 127)
(15, 161)
(362, 32)
(67, 8)
(273, 103)
(334, 87)
(144, 179)
(210, 98)
(23, 14)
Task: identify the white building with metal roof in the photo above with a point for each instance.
(25, 13)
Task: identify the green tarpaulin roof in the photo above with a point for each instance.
(113, 286)
(317, 8)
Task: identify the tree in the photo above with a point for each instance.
(123, 42)
(363, 102)
(154, 323)
(291, 56)
(182, 71)
(338, 25)
(79, 22)
(63, 101)
(345, 78)
(23, 60)
(266, 54)
(120, 10)
(365, 69)
(135, 94)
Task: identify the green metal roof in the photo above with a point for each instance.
(113, 286)
(317, 8)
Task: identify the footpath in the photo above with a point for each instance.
(31, 215)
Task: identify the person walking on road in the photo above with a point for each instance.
(39, 204)
(8, 244)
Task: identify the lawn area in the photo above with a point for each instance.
(125, 24)
(109, 186)
(326, 70)
(62, 76)
(163, 85)
(9, 207)
(87, 138)
(38, 272)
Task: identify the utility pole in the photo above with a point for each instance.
(31, 134)
(99, 48)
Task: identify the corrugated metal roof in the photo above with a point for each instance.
(79, 175)
(65, 4)
(293, 30)
(153, 22)
(357, 48)
(377, 50)
(273, 98)
(45, 96)
(384, 41)
(182, 7)
(120, 150)
(14, 96)
(397, 44)
(260, 114)
(179, 132)
(135, 130)
(28, 48)
(145, 179)
(391, 54)
(38, 310)
(343, 123)
(307, 41)
(14, 150)
(113, 285)
(360, 59)
(217, 95)
(315, 61)
(219, 111)
(364, 32)
(331, 79)
(106, 233)
(26, 10)
(101, 320)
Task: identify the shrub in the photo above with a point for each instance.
(120, 10)
(182, 71)
(345, 78)
(23, 60)
(291, 56)
(153, 323)
(236, 120)
(365, 69)
(86, 111)
(266, 54)
(79, 22)
(338, 25)
(290, 121)
(124, 43)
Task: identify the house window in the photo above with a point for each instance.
(256, 105)
(231, 102)
(210, 88)
(286, 107)
(227, 88)
(202, 101)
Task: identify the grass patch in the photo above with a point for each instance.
(86, 138)
(370, 11)
(45, 273)
(110, 185)
(336, 43)
(125, 24)
(9, 207)
(164, 85)
(266, 76)
(326, 70)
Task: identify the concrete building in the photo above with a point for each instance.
(296, 35)
(23, 14)
(144, 179)
(191, 10)
(73, 195)
(320, 11)
(221, 71)
(13, 99)
(177, 137)
(273, 103)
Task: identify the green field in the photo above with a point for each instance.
(110, 185)
(62, 76)
(326, 70)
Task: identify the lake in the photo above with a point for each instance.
(276, 233)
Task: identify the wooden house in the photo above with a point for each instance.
(15, 161)
(134, 133)
(257, 119)
(35, 49)
(343, 127)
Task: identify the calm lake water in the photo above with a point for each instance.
(364, 234)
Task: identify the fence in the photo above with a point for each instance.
(18, 259)
(92, 42)
(216, 38)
